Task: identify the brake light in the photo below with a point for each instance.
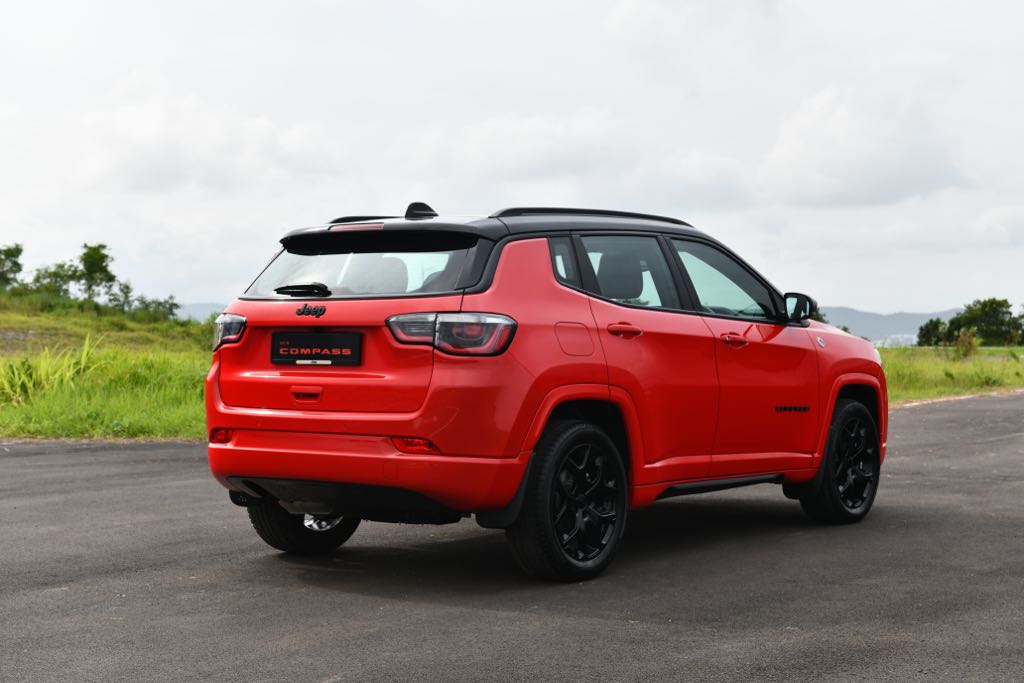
(356, 226)
(227, 329)
(473, 334)
(460, 334)
(415, 445)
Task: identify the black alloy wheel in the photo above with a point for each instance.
(847, 481)
(574, 511)
(583, 506)
(856, 471)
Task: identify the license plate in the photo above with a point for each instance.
(316, 348)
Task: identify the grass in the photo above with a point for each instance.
(119, 393)
(77, 374)
(24, 333)
(81, 375)
(919, 373)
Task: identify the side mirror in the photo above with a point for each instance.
(800, 308)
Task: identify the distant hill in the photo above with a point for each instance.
(890, 328)
(199, 312)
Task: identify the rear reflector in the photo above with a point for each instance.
(221, 435)
(414, 444)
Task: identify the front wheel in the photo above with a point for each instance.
(845, 487)
(575, 507)
(300, 534)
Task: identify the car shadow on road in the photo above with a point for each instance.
(477, 562)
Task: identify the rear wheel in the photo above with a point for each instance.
(300, 534)
(847, 482)
(575, 507)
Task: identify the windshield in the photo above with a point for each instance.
(366, 267)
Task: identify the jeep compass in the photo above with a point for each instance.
(542, 370)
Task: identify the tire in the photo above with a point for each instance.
(847, 481)
(575, 508)
(288, 532)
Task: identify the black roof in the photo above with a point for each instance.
(512, 221)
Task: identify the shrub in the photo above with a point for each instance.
(966, 343)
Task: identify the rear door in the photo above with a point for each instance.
(335, 352)
(662, 357)
(767, 372)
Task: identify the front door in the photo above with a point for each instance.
(767, 371)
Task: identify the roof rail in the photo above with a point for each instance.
(357, 219)
(549, 211)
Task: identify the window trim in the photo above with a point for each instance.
(773, 293)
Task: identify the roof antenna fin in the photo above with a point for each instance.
(419, 210)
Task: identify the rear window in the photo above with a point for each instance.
(360, 265)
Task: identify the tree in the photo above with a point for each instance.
(94, 269)
(120, 295)
(10, 265)
(57, 279)
(992, 320)
(932, 333)
(148, 310)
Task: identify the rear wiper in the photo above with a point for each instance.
(304, 289)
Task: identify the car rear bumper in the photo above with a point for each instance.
(463, 484)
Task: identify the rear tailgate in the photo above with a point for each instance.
(377, 374)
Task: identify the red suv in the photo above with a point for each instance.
(544, 370)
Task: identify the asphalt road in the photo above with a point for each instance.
(127, 562)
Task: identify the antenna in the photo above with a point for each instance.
(419, 210)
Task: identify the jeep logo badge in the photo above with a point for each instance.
(315, 311)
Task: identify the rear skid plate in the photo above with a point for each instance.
(366, 501)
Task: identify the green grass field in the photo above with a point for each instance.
(79, 375)
(134, 380)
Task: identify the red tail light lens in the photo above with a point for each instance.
(474, 334)
(413, 328)
(228, 328)
(461, 334)
(415, 445)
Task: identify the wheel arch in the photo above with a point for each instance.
(608, 408)
(864, 389)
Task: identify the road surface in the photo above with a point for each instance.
(127, 562)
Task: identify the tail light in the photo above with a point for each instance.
(227, 329)
(460, 334)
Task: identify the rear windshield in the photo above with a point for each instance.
(360, 265)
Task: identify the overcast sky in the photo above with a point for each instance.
(870, 154)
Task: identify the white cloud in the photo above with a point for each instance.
(843, 146)
(862, 160)
(1002, 225)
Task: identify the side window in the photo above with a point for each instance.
(563, 262)
(724, 287)
(631, 270)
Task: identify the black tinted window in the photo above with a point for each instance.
(631, 270)
(724, 287)
(563, 262)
